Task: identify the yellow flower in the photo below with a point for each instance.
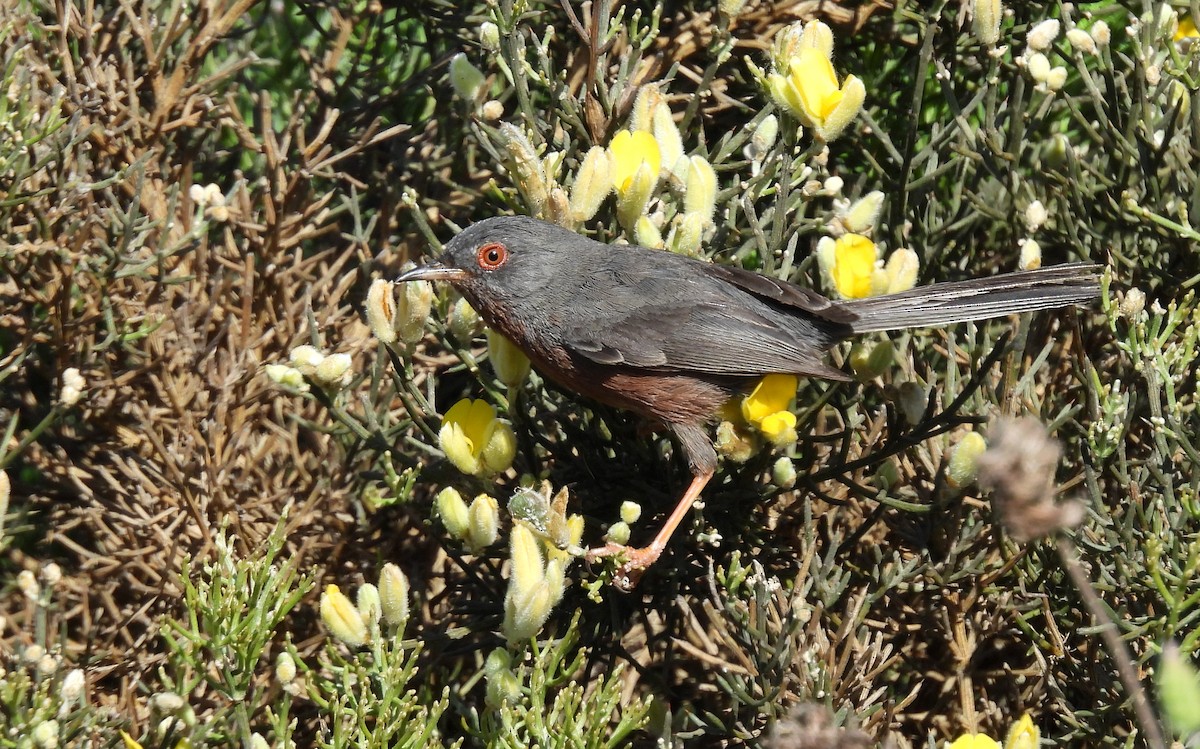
(850, 263)
(975, 741)
(1186, 29)
(629, 151)
(508, 362)
(767, 408)
(1024, 734)
(130, 742)
(474, 440)
(811, 92)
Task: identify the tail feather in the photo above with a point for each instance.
(977, 299)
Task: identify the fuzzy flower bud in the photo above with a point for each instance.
(306, 359)
(1038, 66)
(489, 36)
(630, 512)
(51, 574)
(618, 533)
(701, 195)
(491, 110)
(1035, 216)
(964, 460)
(393, 595)
(647, 234)
(783, 473)
(1041, 36)
(733, 444)
(901, 269)
(73, 387)
(484, 522)
(334, 370)
(285, 668)
(636, 161)
(1082, 41)
(27, 583)
(871, 363)
(342, 619)
(530, 595)
(1023, 735)
(913, 402)
(1133, 303)
(592, 185)
(73, 685)
(670, 142)
(985, 20)
(861, 216)
(381, 311)
(45, 734)
(415, 304)
(1031, 255)
(463, 321)
(288, 377)
(508, 362)
(687, 234)
(368, 605)
(465, 77)
(1101, 34)
(453, 511)
(526, 168)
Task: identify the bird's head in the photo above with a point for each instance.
(502, 264)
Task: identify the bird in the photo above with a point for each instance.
(672, 338)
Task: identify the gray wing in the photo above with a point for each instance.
(707, 323)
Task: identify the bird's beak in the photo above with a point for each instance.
(434, 271)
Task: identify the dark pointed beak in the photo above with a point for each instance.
(434, 271)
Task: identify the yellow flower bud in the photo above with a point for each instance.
(306, 359)
(342, 619)
(670, 143)
(701, 195)
(964, 460)
(463, 321)
(285, 668)
(1038, 66)
(491, 110)
(381, 311)
(484, 518)
(687, 234)
(618, 533)
(861, 216)
(508, 362)
(334, 370)
(525, 612)
(1031, 255)
(525, 553)
(647, 234)
(630, 512)
(985, 20)
(453, 511)
(1082, 41)
(1041, 36)
(632, 201)
(901, 269)
(393, 595)
(849, 262)
(500, 450)
(592, 185)
(648, 100)
(416, 301)
(526, 168)
(869, 363)
(288, 377)
(556, 577)
(465, 77)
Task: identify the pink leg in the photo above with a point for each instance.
(638, 560)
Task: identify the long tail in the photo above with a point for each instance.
(978, 299)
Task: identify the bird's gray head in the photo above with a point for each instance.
(500, 264)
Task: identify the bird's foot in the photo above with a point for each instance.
(633, 562)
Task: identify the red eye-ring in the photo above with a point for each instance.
(492, 255)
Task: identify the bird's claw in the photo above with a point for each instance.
(633, 563)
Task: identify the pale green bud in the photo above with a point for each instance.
(393, 595)
(701, 195)
(463, 321)
(342, 619)
(688, 233)
(1031, 255)
(869, 363)
(45, 734)
(592, 185)
(647, 234)
(1179, 690)
(368, 604)
(489, 36)
(1035, 216)
(501, 448)
(285, 668)
(861, 216)
(258, 742)
(525, 611)
(764, 136)
(630, 512)
(289, 377)
(887, 475)
(526, 168)
(453, 511)
(1041, 36)
(1038, 66)
(306, 359)
(964, 460)
(484, 518)
(1082, 41)
(783, 473)
(556, 577)
(465, 77)
(1133, 303)
(985, 20)
(416, 301)
(1056, 78)
(618, 533)
(508, 362)
(334, 370)
(503, 688)
(670, 143)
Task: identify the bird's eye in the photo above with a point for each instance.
(492, 255)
